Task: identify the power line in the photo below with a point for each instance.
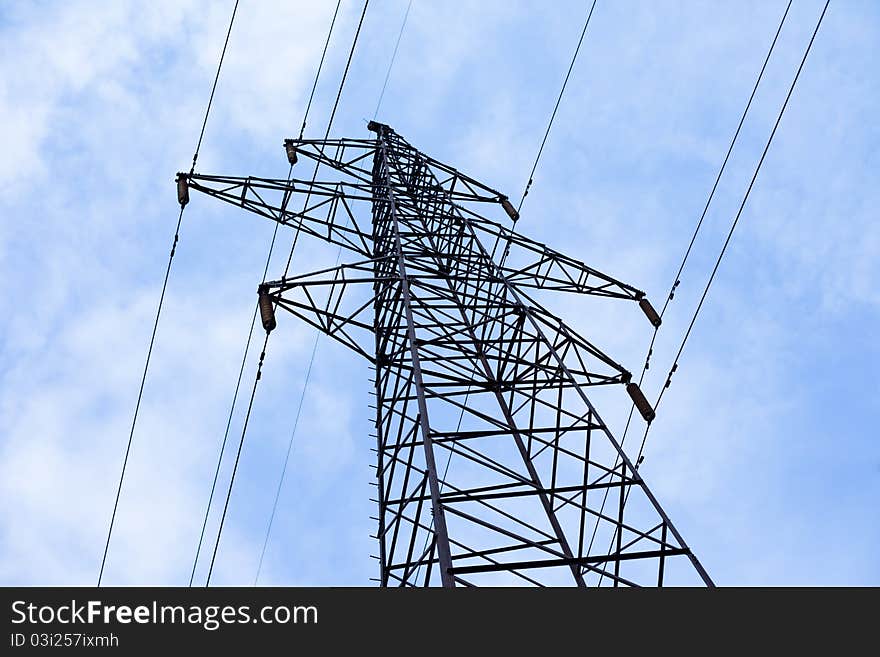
(393, 57)
(286, 460)
(314, 350)
(732, 229)
(213, 89)
(302, 397)
(558, 100)
(162, 301)
(247, 347)
(697, 228)
(289, 259)
(528, 186)
(247, 418)
(254, 317)
(739, 212)
(318, 73)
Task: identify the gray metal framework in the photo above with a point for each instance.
(492, 462)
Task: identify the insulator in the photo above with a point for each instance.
(373, 126)
(640, 401)
(267, 310)
(649, 311)
(291, 151)
(509, 209)
(182, 189)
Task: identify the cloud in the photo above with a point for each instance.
(761, 452)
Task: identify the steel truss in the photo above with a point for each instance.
(492, 463)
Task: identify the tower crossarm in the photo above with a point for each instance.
(536, 265)
(529, 263)
(326, 213)
(354, 157)
(337, 301)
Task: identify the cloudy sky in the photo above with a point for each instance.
(765, 449)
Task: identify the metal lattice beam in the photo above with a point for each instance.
(491, 458)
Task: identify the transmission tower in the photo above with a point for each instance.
(492, 462)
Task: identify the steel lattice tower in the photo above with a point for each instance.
(493, 465)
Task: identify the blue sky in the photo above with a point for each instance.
(764, 452)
